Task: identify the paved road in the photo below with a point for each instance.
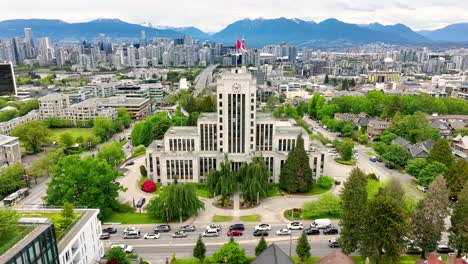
(319, 129)
(204, 79)
(157, 250)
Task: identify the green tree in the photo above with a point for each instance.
(441, 152)
(33, 135)
(303, 247)
(386, 225)
(67, 139)
(117, 254)
(11, 179)
(458, 233)
(222, 182)
(255, 180)
(261, 246)
(415, 166)
(137, 134)
(8, 224)
(124, 117)
(345, 85)
(345, 148)
(326, 80)
(315, 104)
(353, 204)
(230, 252)
(272, 102)
(396, 154)
(429, 216)
(143, 171)
(103, 128)
(112, 153)
(431, 171)
(457, 176)
(84, 182)
(199, 251)
(296, 175)
(179, 199)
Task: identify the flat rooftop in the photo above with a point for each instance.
(6, 139)
(182, 131)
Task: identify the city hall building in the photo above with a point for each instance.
(189, 153)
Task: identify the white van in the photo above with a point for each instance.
(321, 223)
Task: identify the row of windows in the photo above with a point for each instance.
(208, 137)
(236, 123)
(180, 144)
(264, 137)
(207, 164)
(179, 169)
(286, 144)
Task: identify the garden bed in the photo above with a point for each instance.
(346, 162)
(222, 218)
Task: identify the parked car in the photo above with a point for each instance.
(331, 230)
(132, 235)
(162, 228)
(188, 228)
(110, 230)
(283, 232)
(214, 226)
(131, 229)
(130, 163)
(379, 159)
(234, 232)
(125, 247)
(373, 159)
(413, 250)
(444, 249)
(312, 231)
(389, 165)
(237, 227)
(151, 236)
(211, 232)
(295, 226)
(263, 227)
(104, 236)
(260, 233)
(179, 234)
(141, 202)
(333, 243)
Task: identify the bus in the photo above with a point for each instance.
(15, 197)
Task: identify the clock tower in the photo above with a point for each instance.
(236, 99)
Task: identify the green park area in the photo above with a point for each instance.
(75, 132)
(131, 218)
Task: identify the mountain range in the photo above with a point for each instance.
(257, 32)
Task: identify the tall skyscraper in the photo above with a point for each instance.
(143, 40)
(29, 43)
(44, 51)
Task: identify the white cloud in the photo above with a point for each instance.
(213, 15)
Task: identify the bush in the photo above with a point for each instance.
(372, 176)
(124, 208)
(148, 186)
(143, 171)
(325, 182)
(139, 150)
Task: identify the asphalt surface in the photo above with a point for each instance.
(204, 79)
(157, 250)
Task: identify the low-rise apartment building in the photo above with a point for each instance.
(9, 150)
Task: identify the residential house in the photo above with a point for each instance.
(377, 127)
(336, 256)
(273, 255)
(460, 146)
(443, 127)
(418, 150)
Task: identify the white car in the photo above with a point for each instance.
(131, 230)
(263, 227)
(151, 236)
(125, 247)
(295, 226)
(214, 226)
(283, 232)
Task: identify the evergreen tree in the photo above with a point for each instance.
(254, 179)
(354, 200)
(385, 226)
(458, 235)
(303, 247)
(296, 175)
(327, 79)
(199, 251)
(261, 246)
(457, 176)
(441, 152)
(429, 216)
(345, 85)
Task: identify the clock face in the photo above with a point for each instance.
(236, 88)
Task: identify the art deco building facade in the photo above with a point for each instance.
(188, 154)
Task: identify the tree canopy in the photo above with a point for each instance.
(458, 235)
(296, 174)
(33, 134)
(112, 153)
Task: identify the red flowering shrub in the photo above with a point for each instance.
(148, 186)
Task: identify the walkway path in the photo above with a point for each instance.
(236, 205)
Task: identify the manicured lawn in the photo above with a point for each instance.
(275, 190)
(222, 218)
(131, 218)
(6, 242)
(201, 189)
(346, 162)
(316, 190)
(75, 132)
(373, 188)
(251, 218)
(370, 153)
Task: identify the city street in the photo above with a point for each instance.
(156, 251)
(204, 79)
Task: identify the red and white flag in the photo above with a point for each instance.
(240, 46)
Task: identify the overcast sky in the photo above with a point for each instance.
(213, 15)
